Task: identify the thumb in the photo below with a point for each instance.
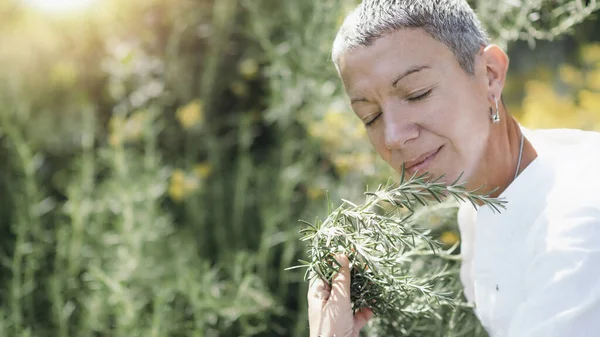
(340, 286)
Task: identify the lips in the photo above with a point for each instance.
(422, 162)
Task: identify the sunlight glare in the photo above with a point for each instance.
(59, 5)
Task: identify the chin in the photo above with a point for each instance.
(451, 177)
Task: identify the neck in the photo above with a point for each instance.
(501, 157)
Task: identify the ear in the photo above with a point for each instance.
(496, 62)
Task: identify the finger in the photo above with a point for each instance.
(318, 294)
(362, 316)
(340, 286)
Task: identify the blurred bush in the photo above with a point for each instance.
(155, 156)
(567, 96)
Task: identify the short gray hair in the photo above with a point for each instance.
(451, 22)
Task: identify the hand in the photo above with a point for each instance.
(330, 310)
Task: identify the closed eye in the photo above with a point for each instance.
(421, 97)
(411, 99)
(373, 120)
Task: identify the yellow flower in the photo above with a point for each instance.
(334, 118)
(203, 170)
(591, 53)
(248, 68)
(134, 126)
(590, 105)
(176, 192)
(333, 128)
(570, 75)
(190, 114)
(182, 185)
(589, 100)
(114, 139)
(315, 192)
(178, 176)
(593, 79)
(364, 161)
(543, 108)
(343, 163)
(176, 185)
(124, 130)
(360, 132)
(449, 238)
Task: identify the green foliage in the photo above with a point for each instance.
(150, 200)
(531, 20)
(110, 261)
(397, 269)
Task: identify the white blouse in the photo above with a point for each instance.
(534, 269)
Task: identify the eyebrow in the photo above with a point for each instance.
(409, 71)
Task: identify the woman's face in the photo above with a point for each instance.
(419, 106)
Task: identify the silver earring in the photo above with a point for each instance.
(496, 115)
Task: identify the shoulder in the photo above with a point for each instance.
(572, 144)
(560, 137)
(572, 158)
(571, 211)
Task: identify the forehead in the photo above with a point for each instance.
(393, 53)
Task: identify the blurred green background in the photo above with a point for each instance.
(156, 155)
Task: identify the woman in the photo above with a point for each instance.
(427, 84)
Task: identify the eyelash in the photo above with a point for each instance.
(412, 99)
(372, 121)
(420, 97)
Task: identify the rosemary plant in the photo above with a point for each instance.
(397, 268)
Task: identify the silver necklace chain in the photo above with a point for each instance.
(520, 155)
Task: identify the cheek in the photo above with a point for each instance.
(464, 123)
(439, 114)
(470, 143)
(377, 139)
(465, 118)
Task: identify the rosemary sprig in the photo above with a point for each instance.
(395, 265)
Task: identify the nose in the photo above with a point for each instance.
(399, 131)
